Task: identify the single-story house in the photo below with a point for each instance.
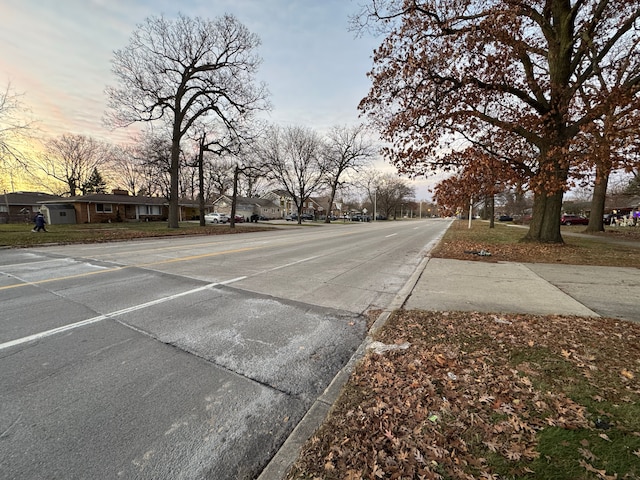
(118, 206)
(23, 206)
(247, 206)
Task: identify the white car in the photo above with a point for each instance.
(216, 218)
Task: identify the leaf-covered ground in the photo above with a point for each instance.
(615, 247)
(482, 396)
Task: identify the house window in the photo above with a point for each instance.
(63, 214)
(3, 209)
(104, 208)
(149, 210)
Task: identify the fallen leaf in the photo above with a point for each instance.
(627, 374)
(604, 437)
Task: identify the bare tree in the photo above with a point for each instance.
(182, 70)
(392, 192)
(347, 150)
(71, 160)
(253, 180)
(293, 158)
(13, 128)
(128, 169)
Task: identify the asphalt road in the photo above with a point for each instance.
(184, 357)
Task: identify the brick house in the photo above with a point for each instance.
(114, 207)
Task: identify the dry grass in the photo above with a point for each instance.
(504, 243)
(20, 235)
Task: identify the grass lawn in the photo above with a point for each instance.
(610, 248)
(20, 234)
(485, 396)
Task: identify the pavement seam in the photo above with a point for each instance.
(527, 266)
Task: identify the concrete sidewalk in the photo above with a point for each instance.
(534, 288)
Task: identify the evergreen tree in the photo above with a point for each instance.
(94, 184)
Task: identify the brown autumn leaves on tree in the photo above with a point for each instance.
(542, 71)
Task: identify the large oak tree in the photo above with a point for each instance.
(449, 68)
(180, 71)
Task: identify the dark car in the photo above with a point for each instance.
(573, 220)
(505, 218)
(238, 219)
(306, 216)
(612, 218)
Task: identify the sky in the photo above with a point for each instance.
(58, 54)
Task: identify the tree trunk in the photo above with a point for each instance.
(545, 221)
(331, 198)
(232, 219)
(201, 182)
(596, 223)
(492, 211)
(173, 191)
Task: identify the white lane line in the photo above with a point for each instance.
(392, 235)
(290, 264)
(99, 318)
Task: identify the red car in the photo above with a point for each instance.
(573, 220)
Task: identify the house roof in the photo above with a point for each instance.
(28, 198)
(248, 201)
(111, 198)
(60, 206)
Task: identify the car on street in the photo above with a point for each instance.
(256, 217)
(238, 219)
(216, 217)
(505, 218)
(573, 220)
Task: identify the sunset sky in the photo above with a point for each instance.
(58, 54)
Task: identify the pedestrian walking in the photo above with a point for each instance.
(40, 223)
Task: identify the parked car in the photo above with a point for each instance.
(612, 218)
(505, 218)
(306, 216)
(255, 217)
(238, 219)
(216, 218)
(573, 220)
(291, 218)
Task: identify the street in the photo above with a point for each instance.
(184, 357)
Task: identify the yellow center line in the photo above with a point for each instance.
(141, 265)
(196, 257)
